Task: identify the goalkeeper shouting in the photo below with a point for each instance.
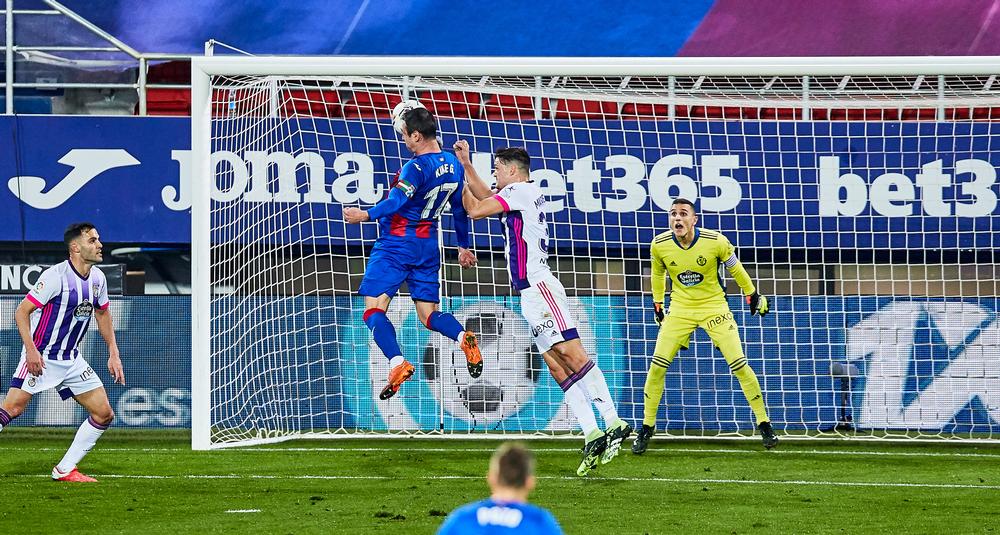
(693, 257)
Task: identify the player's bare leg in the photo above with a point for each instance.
(13, 406)
(448, 325)
(101, 416)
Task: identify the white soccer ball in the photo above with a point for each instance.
(511, 366)
(400, 111)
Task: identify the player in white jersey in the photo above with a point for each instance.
(521, 205)
(52, 319)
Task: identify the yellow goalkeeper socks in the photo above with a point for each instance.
(652, 392)
(751, 389)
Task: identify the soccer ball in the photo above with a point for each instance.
(512, 366)
(400, 111)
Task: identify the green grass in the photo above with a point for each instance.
(151, 482)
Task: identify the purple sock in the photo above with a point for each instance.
(4, 418)
(445, 324)
(383, 332)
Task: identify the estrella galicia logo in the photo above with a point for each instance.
(917, 360)
(85, 164)
(83, 311)
(701, 260)
(690, 278)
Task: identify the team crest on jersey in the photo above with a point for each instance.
(83, 311)
(95, 288)
(701, 260)
(690, 278)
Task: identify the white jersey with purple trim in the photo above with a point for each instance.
(65, 302)
(526, 232)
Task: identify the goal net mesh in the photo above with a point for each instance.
(864, 207)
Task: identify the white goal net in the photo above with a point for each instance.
(861, 198)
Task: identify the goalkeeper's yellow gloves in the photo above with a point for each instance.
(758, 304)
(658, 314)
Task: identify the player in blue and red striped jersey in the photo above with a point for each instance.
(52, 319)
(407, 247)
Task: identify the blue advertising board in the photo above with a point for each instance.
(876, 185)
(927, 364)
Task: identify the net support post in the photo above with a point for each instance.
(201, 188)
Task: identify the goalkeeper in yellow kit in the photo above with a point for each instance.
(693, 258)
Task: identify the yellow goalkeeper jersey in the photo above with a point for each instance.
(696, 272)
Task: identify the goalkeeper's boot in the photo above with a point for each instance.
(473, 358)
(397, 376)
(618, 433)
(73, 476)
(641, 441)
(767, 435)
(592, 451)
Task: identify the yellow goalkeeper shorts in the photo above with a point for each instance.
(675, 332)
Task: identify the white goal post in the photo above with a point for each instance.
(861, 194)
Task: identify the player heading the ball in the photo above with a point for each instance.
(407, 248)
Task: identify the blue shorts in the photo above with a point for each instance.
(394, 260)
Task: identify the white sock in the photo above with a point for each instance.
(579, 403)
(597, 386)
(85, 439)
(395, 361)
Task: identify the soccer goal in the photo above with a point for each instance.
(861, 194)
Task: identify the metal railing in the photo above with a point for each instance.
(140, 85)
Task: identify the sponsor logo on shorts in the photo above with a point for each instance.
(32, 381)
(87, 374)
(543, 326)
(720, 319)
(690, 278)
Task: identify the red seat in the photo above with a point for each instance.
(311, 103)
(585, 109)
(780, 114)
(644, 109)
(919, 114)
(855, 114)
(452, 103)
(371, 105)
(512, 108)
(169, 72)
(164, 101)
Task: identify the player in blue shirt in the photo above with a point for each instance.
(511, 479)
(407, 247)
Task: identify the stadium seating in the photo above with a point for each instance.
(459, 104)
(167, 101)
(311, 102)
(585, 109)
(512, 108)
(371, 105)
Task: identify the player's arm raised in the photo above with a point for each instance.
(758, 303)
(466, 258)
(105, 326)
(22, 318)
(478, 209)
(479, 188)
(397, 197)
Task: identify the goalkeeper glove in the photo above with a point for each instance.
(658, 313)
(758, 304)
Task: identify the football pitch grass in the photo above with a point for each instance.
(151, 482)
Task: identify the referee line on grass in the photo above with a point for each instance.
(698, 481)
(860, 453)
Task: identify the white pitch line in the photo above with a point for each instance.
(859, 453)
(243, 511)
(883, 484)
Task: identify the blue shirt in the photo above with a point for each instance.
(418, 196)
(490, 517)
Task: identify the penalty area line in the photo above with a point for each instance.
(697, 481)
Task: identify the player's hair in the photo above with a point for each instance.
(513, 465)
(75, 230)
(421, 120)
(682, 200)
(515, 155)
